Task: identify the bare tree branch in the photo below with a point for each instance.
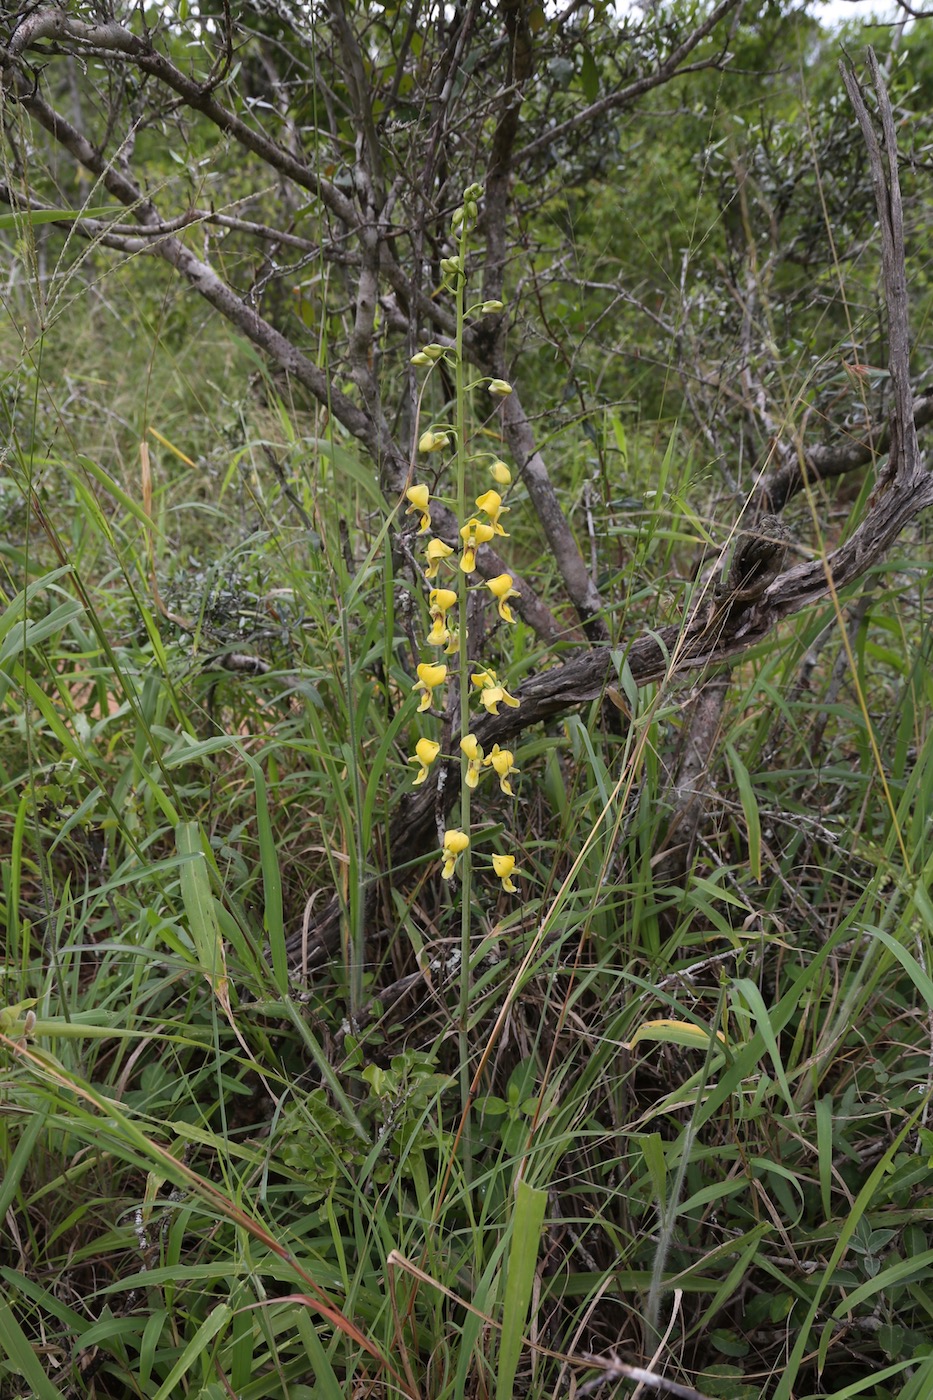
(112, 38)
(580, 587)
(614, 101)
(904, 454)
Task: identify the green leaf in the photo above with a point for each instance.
(530, 1205)
(589, 76)
(33, 217)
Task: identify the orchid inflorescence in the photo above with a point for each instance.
(450, 577)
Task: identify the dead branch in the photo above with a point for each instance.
(798, 468)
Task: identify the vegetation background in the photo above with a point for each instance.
(284, 1113)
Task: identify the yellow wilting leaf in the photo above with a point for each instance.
(673, 1033)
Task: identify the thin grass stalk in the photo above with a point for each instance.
(668, 1210)
(356, 943)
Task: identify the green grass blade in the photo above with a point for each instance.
(530, 1205)
(199, 905)
(750, 808)
(22, 1357)
(273, 917)
(205, 1334)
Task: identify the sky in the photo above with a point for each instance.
(838, 11)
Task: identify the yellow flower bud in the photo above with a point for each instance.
(499, 388)
(432, 441)
(500, 473)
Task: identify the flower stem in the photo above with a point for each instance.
(463, 688)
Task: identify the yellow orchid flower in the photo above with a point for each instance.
(426, 752)
(500, 473)
(492, 693)
(503, 760)
(504, 866)
(440, 600)
(428, 678)
(453, 641)
(420, 498)
(455, 842)
(501, 589)
(491, 503)
(435, 551)
(474, 754)
(473, 533)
